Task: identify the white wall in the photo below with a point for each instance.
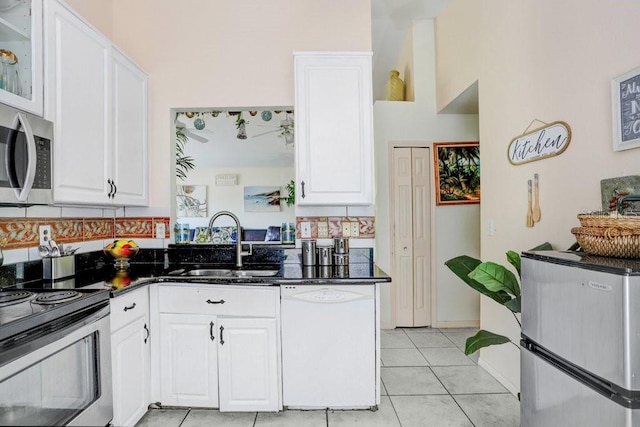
(231, 197)
(457, 233)
(417, 124)
(204, 53)
(544, 60)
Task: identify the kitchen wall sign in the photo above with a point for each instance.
(546, 141)
(625, 98)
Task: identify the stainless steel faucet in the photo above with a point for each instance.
(239, 252)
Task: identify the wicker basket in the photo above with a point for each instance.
(618, 242)
(607, 221)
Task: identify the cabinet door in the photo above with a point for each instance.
(21, 33)
(334, 135)
(77, 80)
(130, 358)
(129, 115)
(188, 360)
(248, 367)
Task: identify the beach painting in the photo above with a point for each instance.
(262, 199)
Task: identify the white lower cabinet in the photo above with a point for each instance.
(219, 347)
(188, 360)
(130, 356)
(248, 364)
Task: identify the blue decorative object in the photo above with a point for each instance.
(266, 116)
(198, 123)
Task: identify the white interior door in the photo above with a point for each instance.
(411, 239)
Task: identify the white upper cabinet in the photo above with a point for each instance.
(334, 128)
(97, 99)
(77, 81)
(129, 131)
(21, 56)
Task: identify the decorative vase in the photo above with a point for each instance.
(395, 87)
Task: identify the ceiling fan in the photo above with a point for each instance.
(286, 130)
(194, 133)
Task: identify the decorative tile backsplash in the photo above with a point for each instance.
(18, 233)
(23, 232)
(366, 226)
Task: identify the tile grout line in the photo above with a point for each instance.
(185, 416)
(394, 409)
(388, 395)
(445, 387)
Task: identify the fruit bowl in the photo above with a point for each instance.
(121, 250)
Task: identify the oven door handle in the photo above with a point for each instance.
(21, 193)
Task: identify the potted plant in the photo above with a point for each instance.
(183, 163)
(492, 280)
(291, 193)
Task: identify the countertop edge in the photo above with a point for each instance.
(250, 282)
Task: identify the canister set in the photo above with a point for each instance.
(324, 257)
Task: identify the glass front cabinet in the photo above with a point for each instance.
(21, 54)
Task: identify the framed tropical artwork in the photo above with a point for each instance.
(457, 172)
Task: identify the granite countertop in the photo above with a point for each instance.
(96, 271)
(120, 282)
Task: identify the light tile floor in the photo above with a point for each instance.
(427, 381)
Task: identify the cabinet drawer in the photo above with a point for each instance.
(220, 300)
(129, 307)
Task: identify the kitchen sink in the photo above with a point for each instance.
(218, 272)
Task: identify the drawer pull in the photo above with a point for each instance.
(211, 330)
(221, 339)
(146, 329)
(215, 302)
(131, 307)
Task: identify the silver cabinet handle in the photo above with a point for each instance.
(215, 302)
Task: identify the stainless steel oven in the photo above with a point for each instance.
(26, 175)
(55, 364)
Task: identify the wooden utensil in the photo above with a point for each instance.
(529, 208)
(536, 204)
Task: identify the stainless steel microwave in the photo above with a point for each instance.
(26, 153)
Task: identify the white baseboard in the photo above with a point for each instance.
(458, 324)
(387, 325)
(495, 374)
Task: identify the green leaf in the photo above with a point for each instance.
(514, 259)
(546, 246)
(462, 265)
(496, 278)
(514, 304)
(483, 339)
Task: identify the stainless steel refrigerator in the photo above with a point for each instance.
(580, 348)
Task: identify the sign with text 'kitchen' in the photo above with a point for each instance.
(547, 141)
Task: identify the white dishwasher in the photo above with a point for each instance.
(328, 346)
